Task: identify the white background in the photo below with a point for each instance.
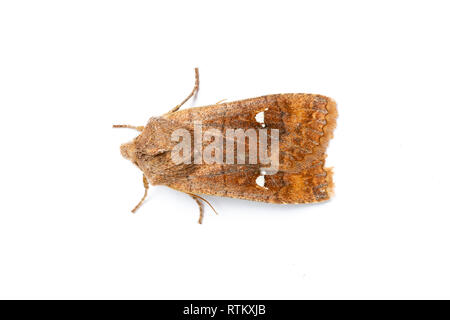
(70, 69)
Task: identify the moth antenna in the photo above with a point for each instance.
(144, 179)
(138, 128)
(196, 86)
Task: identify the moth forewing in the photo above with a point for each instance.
(299, 127)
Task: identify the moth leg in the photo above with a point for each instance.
(144, 179)
(196, 86)
(138, 128)
(200, 205)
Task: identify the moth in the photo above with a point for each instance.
(270, 149)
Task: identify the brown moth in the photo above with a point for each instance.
(294, 130)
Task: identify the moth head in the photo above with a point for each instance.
(128, 151)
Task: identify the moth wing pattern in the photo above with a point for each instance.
(305, 123)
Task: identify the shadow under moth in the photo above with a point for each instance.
(270, 149)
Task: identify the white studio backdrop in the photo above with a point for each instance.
(71, 69)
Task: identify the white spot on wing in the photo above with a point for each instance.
(260, 117)
(260, 181)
